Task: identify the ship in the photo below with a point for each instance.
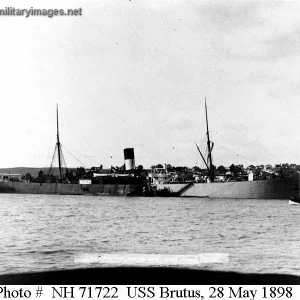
(111, 184)
(285, 186)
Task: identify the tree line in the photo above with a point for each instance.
(234, 169)
(42, 177)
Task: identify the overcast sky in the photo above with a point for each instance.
(135, 74)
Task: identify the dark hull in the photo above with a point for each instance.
(259, 189)
(70, 189)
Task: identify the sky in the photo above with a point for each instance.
(135, 74)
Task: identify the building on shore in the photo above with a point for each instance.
(10, 177)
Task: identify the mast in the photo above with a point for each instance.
(211, 169)
(58, 145)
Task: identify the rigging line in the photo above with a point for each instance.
(203, 143)
(75, 157)
(253, 142)
(202, 156)
(64, 165)
(97, 150)
(85, 156)
(203, 150)
(252, 161)
(50, 142)
(51, 165)
(262, 148)
(222, 117)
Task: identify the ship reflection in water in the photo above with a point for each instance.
(44, 232)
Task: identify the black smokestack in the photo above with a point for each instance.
(129, 158)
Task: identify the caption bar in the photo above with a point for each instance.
(124, 292)
(150, 259)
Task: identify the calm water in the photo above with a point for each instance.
(42, 232)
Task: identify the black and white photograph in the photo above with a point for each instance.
(150, 142)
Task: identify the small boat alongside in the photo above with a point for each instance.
(294, 201)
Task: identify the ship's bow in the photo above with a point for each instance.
(295, 189)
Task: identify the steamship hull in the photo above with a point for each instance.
(71, 189)
(283, 188)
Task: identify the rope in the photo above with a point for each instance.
(247, 139)
(50, 144)
(237, 154)
(83, 138)
(85, 156)
(75, 157)
(51, 165)
(64, 165)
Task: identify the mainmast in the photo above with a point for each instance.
(58, 146)
(211, 169)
